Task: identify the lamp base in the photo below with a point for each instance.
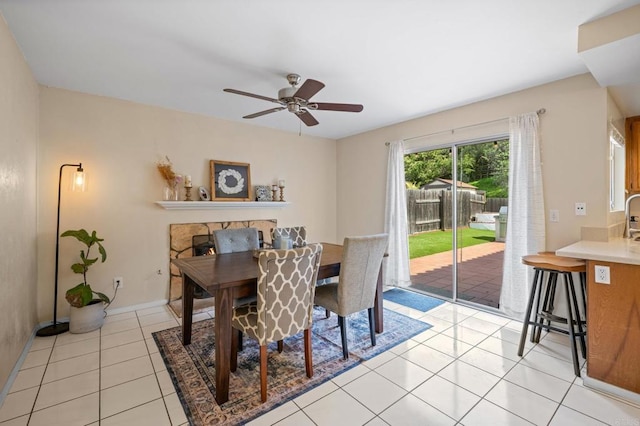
(53, 329)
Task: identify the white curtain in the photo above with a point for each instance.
(395, 219)
(526, 217)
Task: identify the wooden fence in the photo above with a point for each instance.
(494, 204)
(429, 210)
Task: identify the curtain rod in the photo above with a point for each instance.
(539, 112)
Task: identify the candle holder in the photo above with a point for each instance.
(282, 193)
(187, 193)
(274, 191)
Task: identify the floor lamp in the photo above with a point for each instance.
(78, 184)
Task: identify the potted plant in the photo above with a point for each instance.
(87, 305)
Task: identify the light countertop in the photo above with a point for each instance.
(618, 250)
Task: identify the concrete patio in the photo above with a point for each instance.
(479, 273)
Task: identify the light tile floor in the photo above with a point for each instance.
(463, 371)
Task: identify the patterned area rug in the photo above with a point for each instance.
(192, 368)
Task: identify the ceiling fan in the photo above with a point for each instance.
(296, 100)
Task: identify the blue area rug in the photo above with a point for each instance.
(412, 299)
(192, 367)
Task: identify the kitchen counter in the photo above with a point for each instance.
(613, 315)
(618, 250)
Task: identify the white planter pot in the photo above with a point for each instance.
(87, 318)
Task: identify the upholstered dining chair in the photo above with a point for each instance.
(297, 234)
(284, 306)
(233, 241)
(356, 287)
(236, 240)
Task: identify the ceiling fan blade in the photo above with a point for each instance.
(308, 89)
(307, 118)
(251, 95)
(269, 111)
(323, 106)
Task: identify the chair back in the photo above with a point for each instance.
(286, 289)
(297, 234)
(236, 240)
(361, 260)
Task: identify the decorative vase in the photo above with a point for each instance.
(171, 193)
(87, 318)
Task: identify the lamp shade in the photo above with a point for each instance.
(79, 182)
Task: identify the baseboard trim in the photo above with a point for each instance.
(611, 390)
(141, 306)
(18, 364)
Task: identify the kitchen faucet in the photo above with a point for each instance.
(627, 215)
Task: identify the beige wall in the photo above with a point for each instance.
(574, 146)
(18, 144)
(118, 143)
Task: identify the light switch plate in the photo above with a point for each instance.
(554, 216)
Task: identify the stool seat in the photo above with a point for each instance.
(543, 317)
(555, 263)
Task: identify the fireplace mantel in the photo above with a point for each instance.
(211, 205)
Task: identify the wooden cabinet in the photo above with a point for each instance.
(632, 155)
(613, 326)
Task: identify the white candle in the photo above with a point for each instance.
(274, 187)
(187, 180)
(281, 183)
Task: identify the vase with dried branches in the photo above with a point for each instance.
(173, 180)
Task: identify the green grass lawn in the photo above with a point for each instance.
(433, 242)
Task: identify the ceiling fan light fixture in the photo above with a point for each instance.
(286, 93)
(293, 107)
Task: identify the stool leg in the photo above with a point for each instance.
(583, 287)
(578, 319)
(553, 295)
(536, 325)
(574, 351)
(547, 305)
(527, 317)
(552, 299)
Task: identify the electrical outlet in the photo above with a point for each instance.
(117, 283)
(602, 274)
(581, 209)
(554, 216)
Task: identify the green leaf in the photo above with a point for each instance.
(78, 268)
(102, 251)
(102, 296)
(79, 295)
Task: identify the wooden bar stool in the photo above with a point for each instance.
(543, 316)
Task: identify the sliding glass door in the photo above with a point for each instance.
(456, 207)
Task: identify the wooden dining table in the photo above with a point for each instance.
(234, 275)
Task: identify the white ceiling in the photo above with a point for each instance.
(401, 59)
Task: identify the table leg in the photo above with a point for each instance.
(222, 330)
(378, 304)
(188, 287)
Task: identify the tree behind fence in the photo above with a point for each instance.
(428, 210)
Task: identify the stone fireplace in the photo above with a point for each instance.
(195, 239)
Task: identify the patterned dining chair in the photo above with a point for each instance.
(235, 240)
(284, 307)
(355, 289)
(297, 234)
